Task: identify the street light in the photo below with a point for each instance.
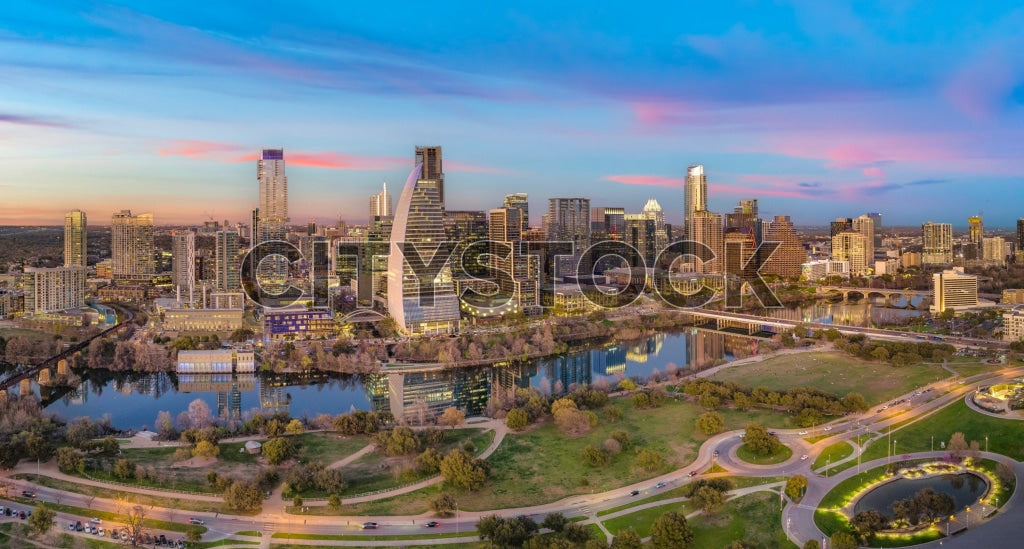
(948, 523)
(968, 514)
(986, 444)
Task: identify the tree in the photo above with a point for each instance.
(198, 414)
(136, 516)
(708, 400)
(452, 417)
(795, 486)
(277, 450)
(513, 532)
(710, 423)
(194, 534)
(957, 445)
(576, 534)
(462, 471)
(334, 502)
(555, 522)
(572, 421)
(206, 449)
(443, 504)
(812, 544)
(627, 539)
(68, 460)
(517, 419)
(708, 498)
(649, 460)
(297, 502)
(294, 427)
(124, 469)
(595, 457)
(429, 461)
(671, 531)
(855, 402)
(41, 519)
(867, 523)
(843, 540)
(244, 496)
(759, 441)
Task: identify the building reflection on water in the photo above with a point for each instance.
(135, 398)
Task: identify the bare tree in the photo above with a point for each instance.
(134, 523)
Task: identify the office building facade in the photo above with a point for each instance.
(952, 289)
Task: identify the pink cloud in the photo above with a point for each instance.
(874, 172)
(763, 186)
(650, 180)
(194, 148)
(460, 167)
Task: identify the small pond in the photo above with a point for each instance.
(964, 488)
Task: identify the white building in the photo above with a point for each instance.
(1013, 324)
(131, 246)
(952, 289)
(56, 289)
(219, 361)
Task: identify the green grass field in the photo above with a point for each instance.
(641, 521)
(780, 455)
(1005, 436)
(832, 454)
(833, 372)
(754, 518)
(177, 501)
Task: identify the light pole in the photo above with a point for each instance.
(933, 443)
(967, 512)
(947, 525)
(888, 448)
(986, 444)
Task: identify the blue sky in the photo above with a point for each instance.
(818, 109)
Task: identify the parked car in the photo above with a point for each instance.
(95, 520)
(78, 526)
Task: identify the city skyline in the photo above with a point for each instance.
(818, 111)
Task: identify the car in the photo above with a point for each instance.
(634, 493)
(659, 485)
(78, 526)
(802, 433)
(1, 509)
(771, 433)
(432, 524)
(803, 457)
(369, 526)
(124, 535)
(95, 520)
(693, 473)
(28, 493)
(100, 532)
(196, 521)
(21, 515)
(716, 453)
(828, 427)
(113, 533)
(149, 538)
(163, 539)
(181, 544)
(71, 526)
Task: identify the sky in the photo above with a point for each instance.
(817, 109)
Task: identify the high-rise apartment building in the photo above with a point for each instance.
(568, 220)
(790, 255)
(1020, 235)
(841, 224)
(183, 263)
(852, 247)
(131, 247)
(876, 218)
(937, 239)
(865, 225)
(952, 289)
(419, 224)
(994, 250)
(976, 229)
(55, 289)
(521, 202)
(228, 275)
(273, 212)
(433, 169)
(706, 227)
(696, 192)
(380, 204)
(75, 250)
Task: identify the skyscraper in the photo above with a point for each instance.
(877, 219)
(851, 246)
(841, 224)
(433, 170)
(75, 251)
(419, 224)
(380, 204)
(520, 202)
(56, 289)
(131, 246)
(865, 225)
(937, 239)
(652, 210)
(977, 229)
(1020, 237)
(696, 192)
(568, 220)
(183, 263)
(790, 255)
(706, 227)
(273, 182)
(228, 276)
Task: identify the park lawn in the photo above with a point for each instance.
(375, 471)
(32, 335)
(175, 501)
(754, 518)
(551, 460)
(835, 373)
(832, 454)
(114, 517)
(641, 521)
(1005, 436)
(971, 370)
(782, 454)
(327, 447)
